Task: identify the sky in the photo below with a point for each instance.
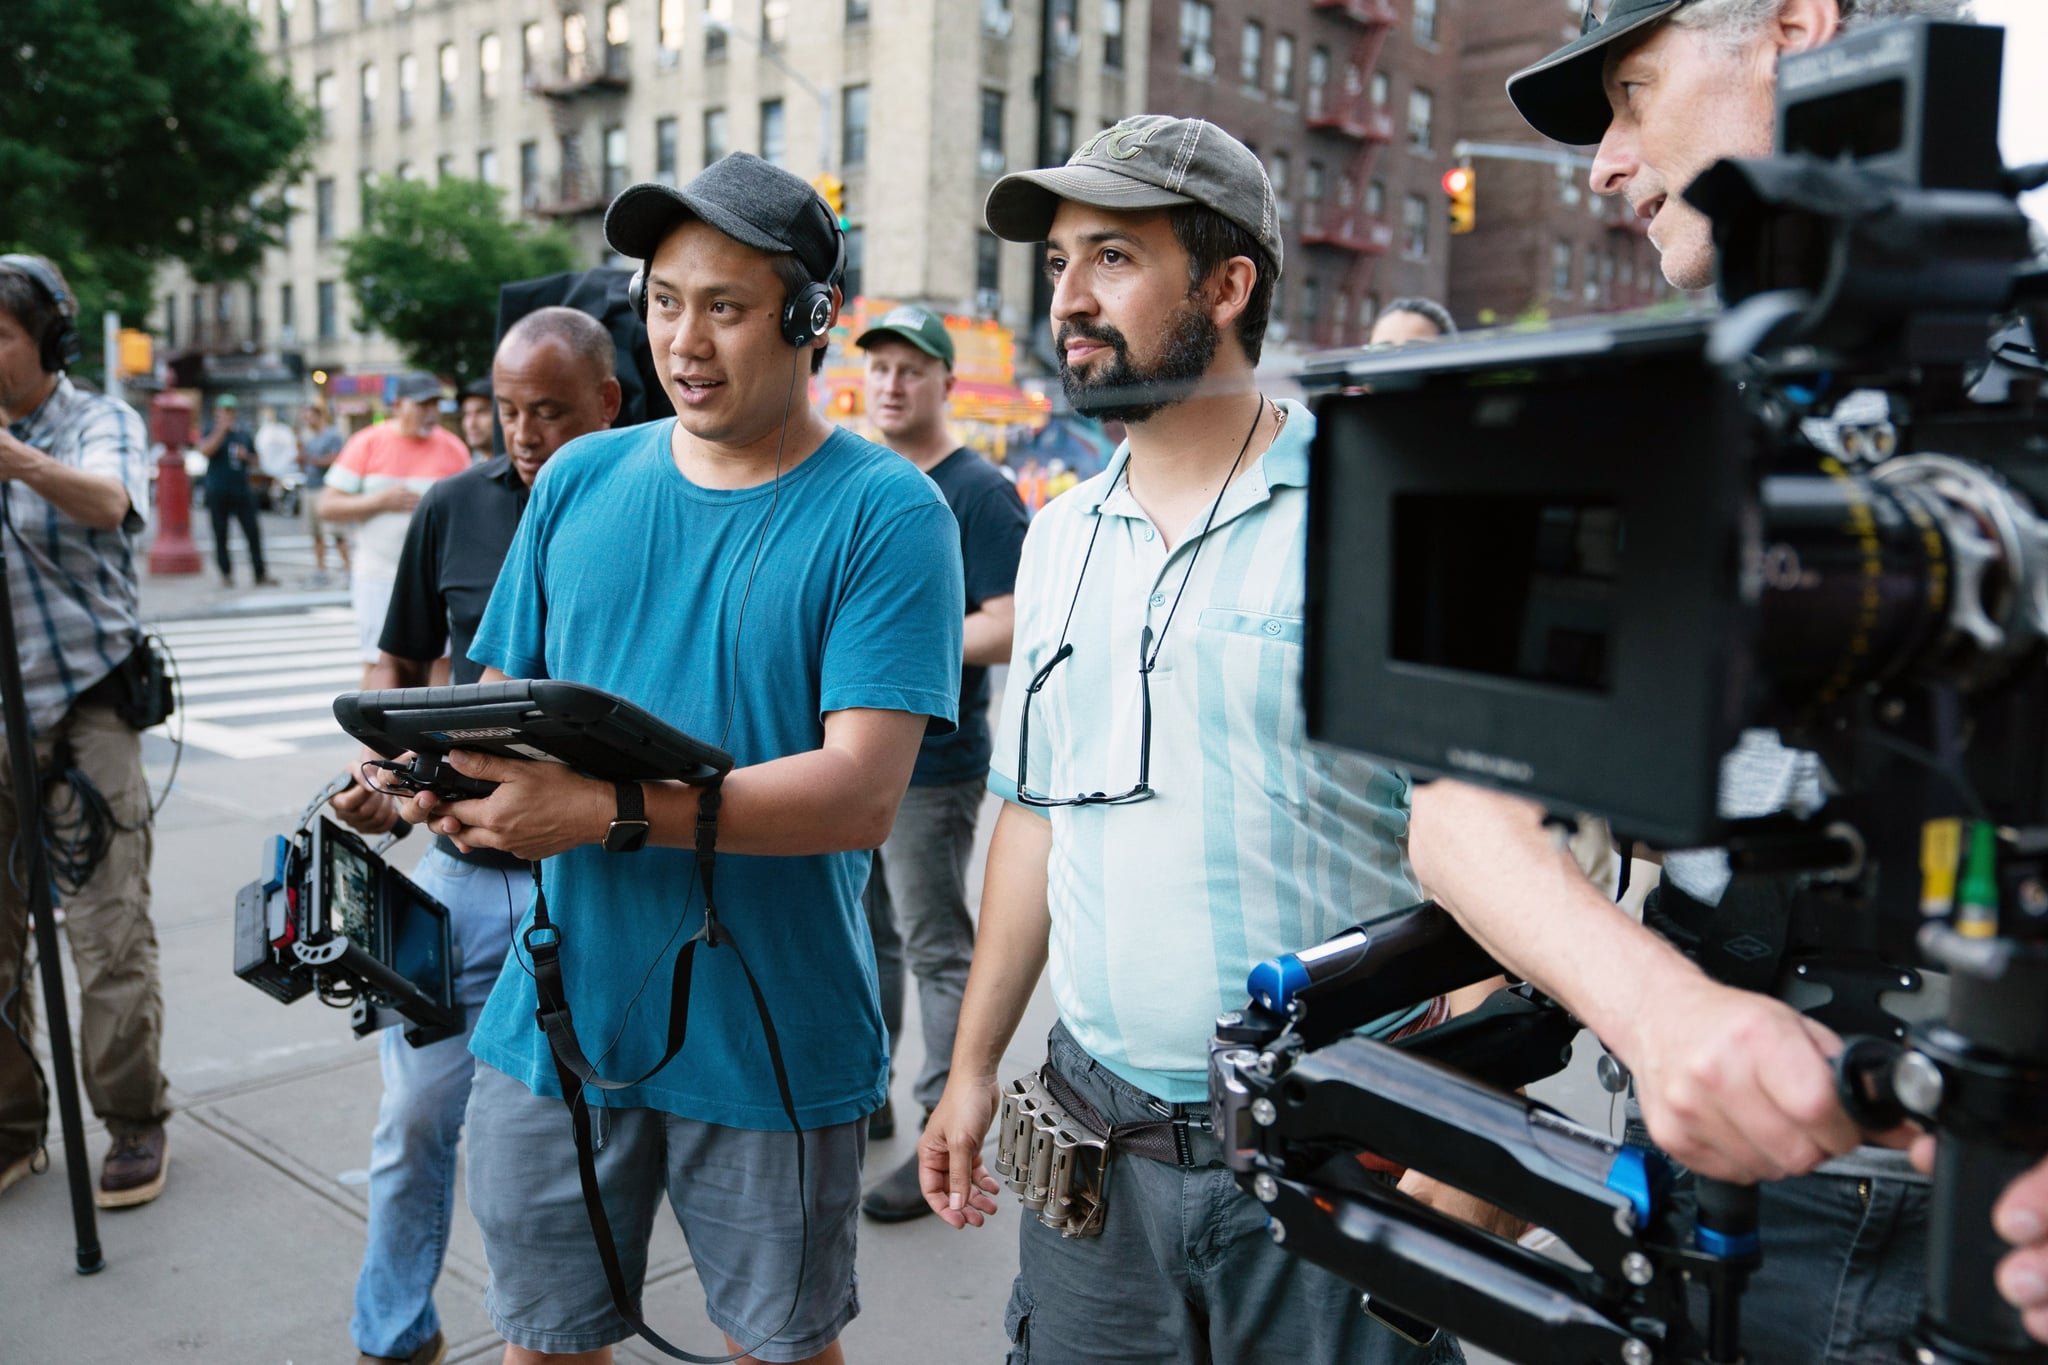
(2023, 125)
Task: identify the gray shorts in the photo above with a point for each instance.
(734, 1192)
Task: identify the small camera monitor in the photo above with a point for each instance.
(1523, 567)
(382, 914)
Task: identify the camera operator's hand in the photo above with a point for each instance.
(949, 1167)
(364, 810)
(538, 810)
(1737, 1085)
(2021, 1218)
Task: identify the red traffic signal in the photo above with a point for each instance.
(1458, 180)
(1462, 187)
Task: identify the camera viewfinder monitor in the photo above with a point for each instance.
(1522, 553)
(381, 912)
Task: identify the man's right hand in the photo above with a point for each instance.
(949, 1167)
(1736, 1085)
(398, 497)
(366, 811)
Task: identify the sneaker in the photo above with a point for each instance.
(432, 1351)
(227, 580)
(134, 1170)
(264, 580)
(17, 1165)
(896, 1197)
(882, 1123)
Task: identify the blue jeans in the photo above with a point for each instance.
(412, 1154)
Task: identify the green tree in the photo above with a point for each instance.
(135, 132)
(426, 268)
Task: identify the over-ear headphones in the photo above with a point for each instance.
(58, 347)
(806, 314)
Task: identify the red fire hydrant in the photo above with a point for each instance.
(172, 423)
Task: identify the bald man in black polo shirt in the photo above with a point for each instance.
(552, 381)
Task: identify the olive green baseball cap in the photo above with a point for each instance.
(1564, 96)
(924, 330)
(1147, 161)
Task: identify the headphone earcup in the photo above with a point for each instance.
(807, 316)
(636, 293)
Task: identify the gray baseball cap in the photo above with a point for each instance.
(420, 388)
(1564, 96)
(1147, 161)
(749, 200)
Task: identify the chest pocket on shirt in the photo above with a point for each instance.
(1260, 654)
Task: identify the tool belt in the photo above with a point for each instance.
(1054, 1149)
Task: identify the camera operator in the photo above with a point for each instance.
(1158, 651)
(553, 383)
(764, 580)
(1734, 1084)
(74, 476)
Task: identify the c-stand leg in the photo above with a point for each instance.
(28, 807)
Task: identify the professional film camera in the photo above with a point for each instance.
(331, 918)
(1578, 565)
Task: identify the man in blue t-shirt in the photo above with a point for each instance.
(917, 894)
(769, 583)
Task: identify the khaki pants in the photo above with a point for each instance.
(113, 944)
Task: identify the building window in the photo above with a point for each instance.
(856, 11)
(1283, 67)
(408, 88)
(856, 259)
(284, 36)
(1197, 37)
(774, 22)
(489, 57)
(326, 295)
(1421, 110)
(323, 16)
(367, 85)
(618, 35)
(991, 132)
(771, 131)
(1376, 198)
(451, 71)
(1560, 269)
(487, 165)
(614, 161)
(988, 264)
(1311, 300)
(1314, 184)
(665, 162)
(714, 135)
(323, 209)
(571, 152)
(1589, 286)
(171, 320)
(364, 194)
(287, 314)
(1318, 80)
(717, 19)
(1066, 25)
(996, 18)
(1382, 88)
(444, 168)
(1415, 228)
(529, 175)
(1252, 56)
(575, 49)
(1281, 172)
(530, 57)
(1425, 22)
(1607, 279)
(1113, 34)
(198, 318)
(367, 10)
(1062, 135)
(1567, 185)
(405, 172)
(669, 32)
(853, 144)
(326, 100)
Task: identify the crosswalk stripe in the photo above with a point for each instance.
(271, 705)
(341, 679)
(244, 627)
(271, 644)
(317, 658)
(230, 741)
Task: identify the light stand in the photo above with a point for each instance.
(28, 806)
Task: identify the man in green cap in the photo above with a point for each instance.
(1733, 1083)
(917, 891)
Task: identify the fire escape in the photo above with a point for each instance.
(1347, 113)
(584, 75)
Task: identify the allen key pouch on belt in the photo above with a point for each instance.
(1055, 1150)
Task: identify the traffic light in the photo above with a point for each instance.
(834, 191)
(1462, 186)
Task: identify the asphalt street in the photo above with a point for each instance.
(251, 1253)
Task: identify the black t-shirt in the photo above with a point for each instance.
(992, 524)
(226, 469)
(456, 544)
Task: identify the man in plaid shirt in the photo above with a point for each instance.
(74, 480)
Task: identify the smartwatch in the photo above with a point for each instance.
(628, 832)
